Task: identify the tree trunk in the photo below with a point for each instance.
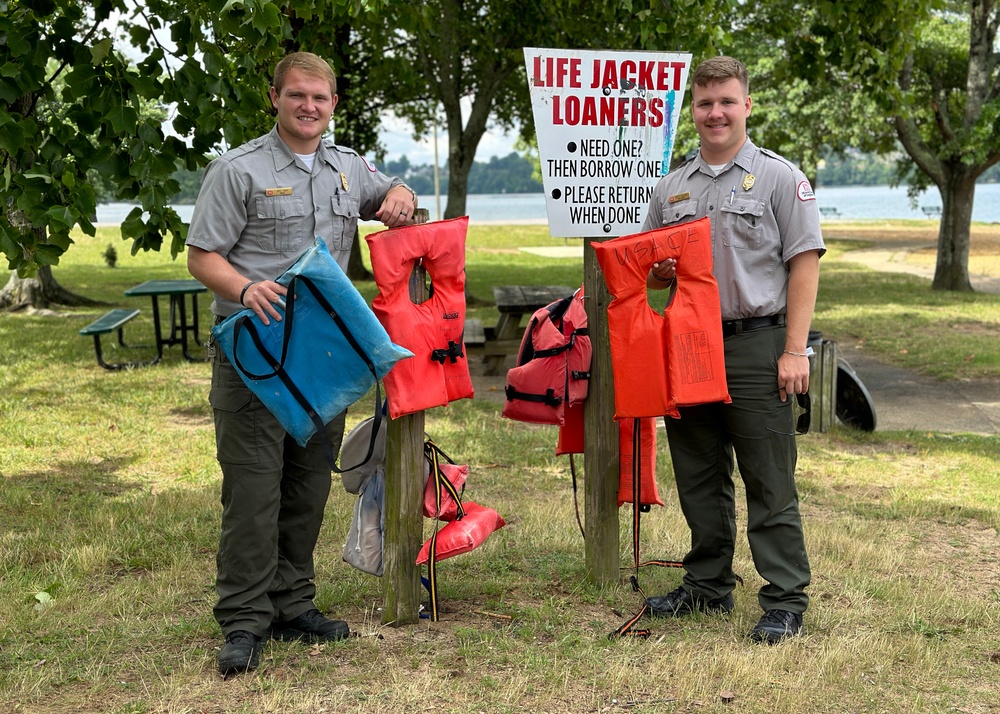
(39, 292)
(458, 182)
(356, 269)
(952, 271)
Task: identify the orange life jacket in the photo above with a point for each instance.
(433, 330)
(553, 364)
(677, 359)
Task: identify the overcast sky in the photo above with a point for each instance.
(396, 135)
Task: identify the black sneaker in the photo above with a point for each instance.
(777, 625)
(680, 602)
(310, 626)
(240, 653)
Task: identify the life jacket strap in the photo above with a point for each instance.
(452, 353)
(549, 398)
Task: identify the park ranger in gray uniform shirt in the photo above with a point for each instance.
(766, 245)
(259, 209)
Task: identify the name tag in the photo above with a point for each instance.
(278, 191)
(679, 197)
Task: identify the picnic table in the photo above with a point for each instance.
(183, 324)
(513, 303)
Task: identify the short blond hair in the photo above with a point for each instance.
(307, 63)
(720, 69)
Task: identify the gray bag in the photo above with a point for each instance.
(354, 449)
(363, 548)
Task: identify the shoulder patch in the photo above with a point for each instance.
(805, 192)
(369, 164)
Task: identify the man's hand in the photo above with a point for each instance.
(662, 274)
(262, 297)
(397, 208)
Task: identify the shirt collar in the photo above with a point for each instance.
(744, 159)
(284, 157)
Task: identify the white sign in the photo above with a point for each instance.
(606, 123)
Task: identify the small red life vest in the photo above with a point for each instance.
(648, 492)
(433, 330)
(462, 535)
(677, 359)
(553, 364)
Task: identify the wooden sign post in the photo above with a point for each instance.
(404, 497)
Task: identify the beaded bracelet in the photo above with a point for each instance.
(243, 292)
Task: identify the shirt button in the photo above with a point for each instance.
(711, 208)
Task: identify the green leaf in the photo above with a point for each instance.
(122, 118)
(100, 51)
(60, 218)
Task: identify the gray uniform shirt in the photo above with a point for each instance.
(762, 212)
(260, 208)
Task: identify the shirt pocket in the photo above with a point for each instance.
(742, 222)
(681, 212)
(344, 218)
(280, 220)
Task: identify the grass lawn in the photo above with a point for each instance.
(109, 515)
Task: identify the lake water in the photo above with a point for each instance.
(850, 202)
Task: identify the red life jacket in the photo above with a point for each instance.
(438, 373)
(550, 383)
(677, 359)
(648, 492)
(553, 364)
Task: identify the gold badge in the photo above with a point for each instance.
(287, 191)
(679, 197)
(748, 182)
(343, 180)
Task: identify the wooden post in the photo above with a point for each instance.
(600, 453)
(404, 496)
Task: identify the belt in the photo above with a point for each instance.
(738, 327)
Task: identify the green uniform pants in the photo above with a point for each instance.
(273, 496)
(758, 428)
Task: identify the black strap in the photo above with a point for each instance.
(629, 627)
(452, 353)
(549, 398)
(576, 502)
(278, 364)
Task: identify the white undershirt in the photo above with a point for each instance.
(308, 159)
(716, 168)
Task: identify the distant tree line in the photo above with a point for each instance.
(857, 169)
(513, 174)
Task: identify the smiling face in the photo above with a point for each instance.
(305, 105)
(720, 110)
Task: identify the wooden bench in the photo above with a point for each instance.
(475, 333)
(829, 211)
(513, 303)
(931, 211)
(113, 321)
